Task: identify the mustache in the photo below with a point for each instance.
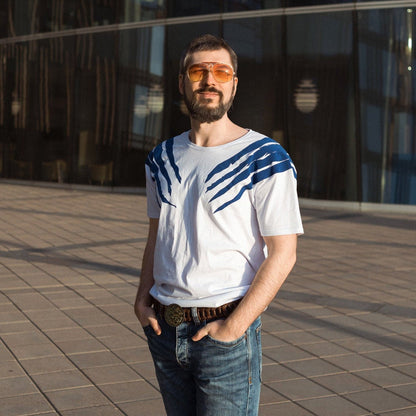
(208, 89)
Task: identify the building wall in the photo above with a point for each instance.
(87, 88)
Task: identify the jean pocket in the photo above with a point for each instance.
(148, 330)
(225, 344)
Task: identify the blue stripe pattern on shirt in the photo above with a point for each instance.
(269, 159)
(156, 165)
(255, 163)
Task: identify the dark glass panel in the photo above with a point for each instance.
(242, 5)
(320, 104)
(83, 109)
(36, 119)
(4, 19)
(95, 98)
(39, 16)
(298, 3)
(182, 8)
(387, 88)
(141, 100)
(258, 103)
(136, 11)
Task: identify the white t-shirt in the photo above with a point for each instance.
(214, 204)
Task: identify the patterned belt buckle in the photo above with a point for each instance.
(174, 315)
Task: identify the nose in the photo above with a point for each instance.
(209, 77)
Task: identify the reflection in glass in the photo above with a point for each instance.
(238, 5)
(387, 77)
(260, 93)
(320, 104)
(86, 106)
(83, 109)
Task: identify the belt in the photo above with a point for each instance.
(174, 314)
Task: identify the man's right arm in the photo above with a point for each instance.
(143, 304)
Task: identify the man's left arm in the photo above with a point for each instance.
(267, 282)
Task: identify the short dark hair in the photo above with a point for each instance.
(206, 42)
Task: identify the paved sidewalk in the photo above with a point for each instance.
(340, 338)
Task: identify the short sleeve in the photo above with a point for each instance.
(277, 205)
(153, 204)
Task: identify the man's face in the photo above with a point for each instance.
(208, 99)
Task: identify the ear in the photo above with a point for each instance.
(235, 85)
(181, 81)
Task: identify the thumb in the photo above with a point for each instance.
(203, 332)
(155, 325)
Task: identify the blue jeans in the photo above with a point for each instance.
(207, 377)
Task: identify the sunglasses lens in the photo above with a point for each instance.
(196, 72)
(221, 72)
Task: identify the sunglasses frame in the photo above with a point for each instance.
(209, 67)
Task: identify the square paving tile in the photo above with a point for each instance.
(286, 354)
(77, 398)
(71, 334)
(284, 408)
(28, 404)
(109, 410)
(61, 380)
(353, 362)
(409, 369)
(112, 374)
(278, 372)
(46, 364)
(326, 406)
(86, 345)
(392, 357)
(411, 411)
(325, 349)
(344, 383)
(385, 377)
(129, 391)
(95, 359)
(153, 407)
(408, 391)
(9, 369)
(24, 352)
(146, 369)
(299, 389)
(379, 400)
(313, 367)
(269, 395)
(16, 386)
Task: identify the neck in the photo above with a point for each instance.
(216, 133)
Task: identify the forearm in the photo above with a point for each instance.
(266, 284)
(146, 278)
(143, 299)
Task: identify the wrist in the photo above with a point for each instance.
(234, 328)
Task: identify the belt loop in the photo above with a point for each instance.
(194, 312)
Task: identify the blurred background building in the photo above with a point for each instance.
(88, 87)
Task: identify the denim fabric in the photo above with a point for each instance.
(207, 377)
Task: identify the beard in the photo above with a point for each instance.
(199, 109)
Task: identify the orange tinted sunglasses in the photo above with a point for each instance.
(220, 72)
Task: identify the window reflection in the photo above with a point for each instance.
(320, 101)
(261, 88)
(86, 106)
(387, 77)
(82, 109)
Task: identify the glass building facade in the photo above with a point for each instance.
(88, 87)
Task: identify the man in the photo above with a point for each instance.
(217, 195)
